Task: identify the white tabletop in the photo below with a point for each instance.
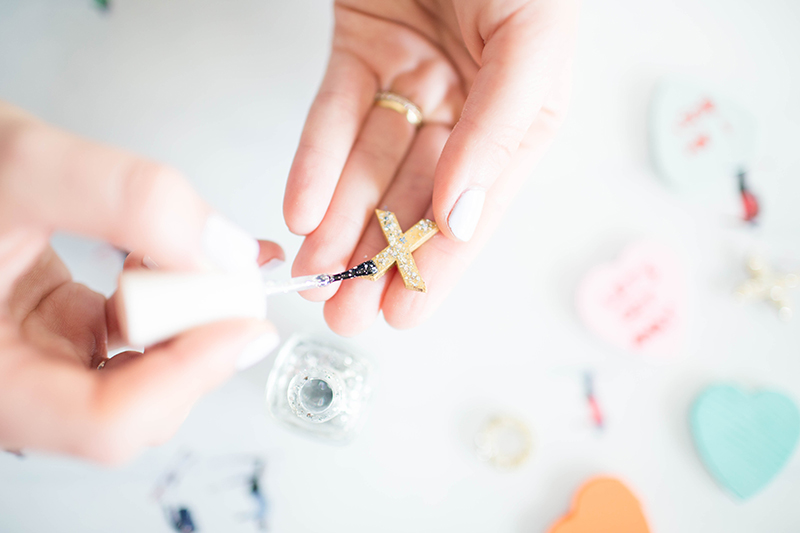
(220, 89)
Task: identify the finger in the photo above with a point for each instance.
(51, 180)
(134, 261)
(518, 61)
(109, 415)
(69, 323)
(443, 261)
(20, 249)
(331, 129)
(267, 251)
(357, 303)
(155, 391)
(44, 272)
(270, 253)
(378, 152)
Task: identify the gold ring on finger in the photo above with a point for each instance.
(401, 104)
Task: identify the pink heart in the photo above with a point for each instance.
(636, 303)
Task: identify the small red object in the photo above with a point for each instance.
(750, 203)
(749, 200)
(594, 407)
(597, 415)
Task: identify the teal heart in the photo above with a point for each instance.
(744, 439)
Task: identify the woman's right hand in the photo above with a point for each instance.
(54, 332)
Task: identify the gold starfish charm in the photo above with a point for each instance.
(401, 245)
(764, 284)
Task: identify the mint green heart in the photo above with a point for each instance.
(744, 439)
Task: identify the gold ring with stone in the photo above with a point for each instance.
(401, 104)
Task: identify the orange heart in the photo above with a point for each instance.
(603, 505)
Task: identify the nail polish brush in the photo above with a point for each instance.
(153, 306)
(304, 283)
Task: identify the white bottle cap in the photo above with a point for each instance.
(154, 306)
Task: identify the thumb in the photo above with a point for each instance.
(143, 399)
(150, 395)
(135, 401)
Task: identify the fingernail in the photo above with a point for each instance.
(149, 263)
(257, 350)
(228, 246)
(466, 213)
(272, 264)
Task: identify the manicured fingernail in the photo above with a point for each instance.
(257, 350)
(149, 263)
(228, 246)
(466, 213)
(272, 264)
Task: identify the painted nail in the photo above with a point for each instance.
(466, 213)
(228, 246)
(257, 350)
(272, 264)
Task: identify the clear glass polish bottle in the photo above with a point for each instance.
(320, 388)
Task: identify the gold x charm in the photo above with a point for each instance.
(400, 247)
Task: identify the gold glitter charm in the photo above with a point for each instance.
(764, 284)
(401, 245)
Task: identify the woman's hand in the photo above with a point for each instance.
(54, 333)
(491, 78)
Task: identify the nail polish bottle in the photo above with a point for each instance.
(320, 388)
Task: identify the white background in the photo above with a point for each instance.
(220, 89)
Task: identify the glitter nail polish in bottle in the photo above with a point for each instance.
(319, 388)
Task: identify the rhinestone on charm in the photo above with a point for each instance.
(401, 246)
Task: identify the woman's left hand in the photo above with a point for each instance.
(490, 77)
